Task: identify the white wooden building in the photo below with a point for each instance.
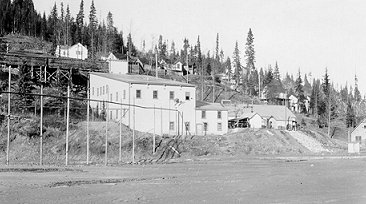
(211, 118)
(77, 51)
(359, 133)
(152, 96)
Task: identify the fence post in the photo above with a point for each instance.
(120, 133)
(67, 124)
(8, 141)
(87, 121)
(154, 132)
(133, 131)
(106, 132)
(41, 121)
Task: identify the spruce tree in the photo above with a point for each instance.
(80, 23)
(299, 91)
(93, 24)
(249, 52)
(237, 63)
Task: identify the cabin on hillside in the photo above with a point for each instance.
(77, 51)
(359, 133)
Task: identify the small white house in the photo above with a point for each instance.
(359, 133)
(211, 118)
(111, 56)
(77, 51)
(150, 104)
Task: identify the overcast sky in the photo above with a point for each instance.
(306, 34)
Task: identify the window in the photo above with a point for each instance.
(97, 91)
(111, 98)
(107, 89)
(111, 115)
(188, 97)
(93, 91)
(124, 94)
(155, 94)
(205, 126)
(171, 95)
(171, 125)
(77, 52)
(117, 114)
(358, 138)
(219, 126)
(103, 90)
(187, 125)
(203, 114)
(117, 96)
(219, 114)
(138, 93)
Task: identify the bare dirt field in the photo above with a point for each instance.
(224, 180)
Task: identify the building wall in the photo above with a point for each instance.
(77, 51)
(360, 131)
(256, 121)
(143, 121)
(118, 66)
(212, 121)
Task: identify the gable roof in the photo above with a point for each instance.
(363, 121)
(141, 79)
(265, 111)
(201, 105)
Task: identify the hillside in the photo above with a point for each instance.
(246, 142)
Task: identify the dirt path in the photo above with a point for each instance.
(310, 143)
(232, 180)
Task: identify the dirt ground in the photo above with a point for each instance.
(219, 180)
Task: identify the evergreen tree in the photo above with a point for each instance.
(80, 23)
(199, 55)
(357, 93)
(228, 68)
(299, 92)
(249, 52)
(93, 24)
(237, 63)
(314, 99)
(350, 115)
(276, 73)
(268, 77)
(208, 64)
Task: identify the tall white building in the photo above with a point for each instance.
(161, 106)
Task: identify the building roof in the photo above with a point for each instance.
(362, 122)
(201, 105)
(141, 79)
(265, 111)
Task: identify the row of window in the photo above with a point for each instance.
(203, 114)
(187, 126)
(156, 94)
(104, 90)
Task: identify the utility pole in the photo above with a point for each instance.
(67, 124)
(8, 141)
(156, 64)
(187, 68)
(87, 120)
(329, 111)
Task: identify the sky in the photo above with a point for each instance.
(305, 35)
